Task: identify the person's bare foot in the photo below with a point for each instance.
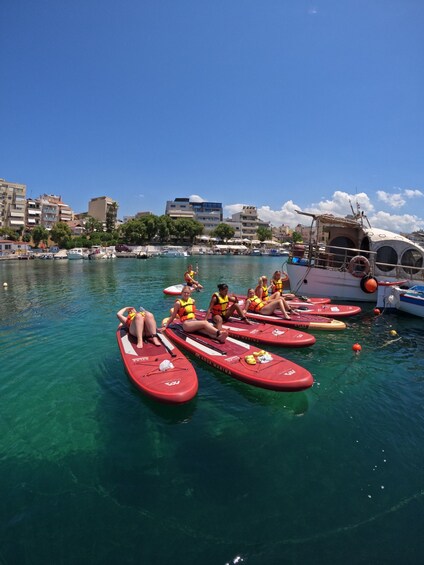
(222, 336)
(140, 345)
(156, 341)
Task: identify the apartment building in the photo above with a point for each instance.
(246, 223)
(12, 205)
(209, 214)
(99, 208)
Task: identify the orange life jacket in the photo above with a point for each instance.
(264, 292)
(187, 309)
(221, 306)
(255, 304)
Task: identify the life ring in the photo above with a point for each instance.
(369, 284)
(359, 266)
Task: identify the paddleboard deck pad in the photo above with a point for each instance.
(234, 358)
(267, 334)
(161, 372)
(176, 289)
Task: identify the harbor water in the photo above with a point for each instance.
(93, 472)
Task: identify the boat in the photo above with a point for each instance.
(328, 310)
(266, 334)
(97, 252)
(162, 373)
(402, 298)
(77, 253)
(243, 361)
(174, 252)
(353, 259)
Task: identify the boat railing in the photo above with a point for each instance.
(328, 256)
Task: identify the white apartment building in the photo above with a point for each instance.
(246, 223)
(12, 205)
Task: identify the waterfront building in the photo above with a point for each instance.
(101, 207)
(209, 214)
(12, 205)
(9, 247)
(246, 223)
(33, 213)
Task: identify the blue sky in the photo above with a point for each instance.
(281, 104)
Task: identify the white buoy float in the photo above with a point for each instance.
(5, 285)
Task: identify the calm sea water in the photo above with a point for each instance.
(92, 472)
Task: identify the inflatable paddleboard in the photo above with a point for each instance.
(243, 361)
(161, 372)
(328, 310)
(176, 289)
(266, 334)
(301, 321)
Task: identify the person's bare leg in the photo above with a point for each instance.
(137, 328)
(150, 328)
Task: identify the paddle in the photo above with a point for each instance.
(169, 350)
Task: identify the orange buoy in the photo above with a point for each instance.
(356, 347)
(370, 285)
(377, 311)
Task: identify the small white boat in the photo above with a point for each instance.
(174, 252)
(353, 259)
(396, 296)
(77, 253)
(97, 252)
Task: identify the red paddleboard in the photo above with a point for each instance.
(301, 321)
(264, 333)
(174, 385)
(328, 310)
(174, 290)
(270, 371)
(297, 300)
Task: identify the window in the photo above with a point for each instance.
(412, 261)
(386, 258)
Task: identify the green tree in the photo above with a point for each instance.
(297, 237)
(26, 237)
(39, 234)
(264, 233)
(9, 233)
(187, 229)
(165, 228)
(224, 232)
(111, 214)
(134, 232)
(60, 233)
(92, 225)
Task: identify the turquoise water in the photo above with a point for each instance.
(92, 472)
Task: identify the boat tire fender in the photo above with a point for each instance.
(363, 264)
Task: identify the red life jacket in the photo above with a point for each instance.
(255, 304)
(220, 307)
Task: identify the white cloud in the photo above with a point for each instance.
(409, 193)
(340, 204)
(196, 198)
(406, 223)
(392, 200)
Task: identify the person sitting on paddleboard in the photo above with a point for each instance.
(141, 324)
(223, 305)
(190, 280)
(262, 290)
(277, 286)
(185, 309)
(259, 306)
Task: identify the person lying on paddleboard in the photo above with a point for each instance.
(185, 309)
(259, 306)
(262, 290)
(223, 305)
(277, 286)
(141, 324)
(190, 280)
